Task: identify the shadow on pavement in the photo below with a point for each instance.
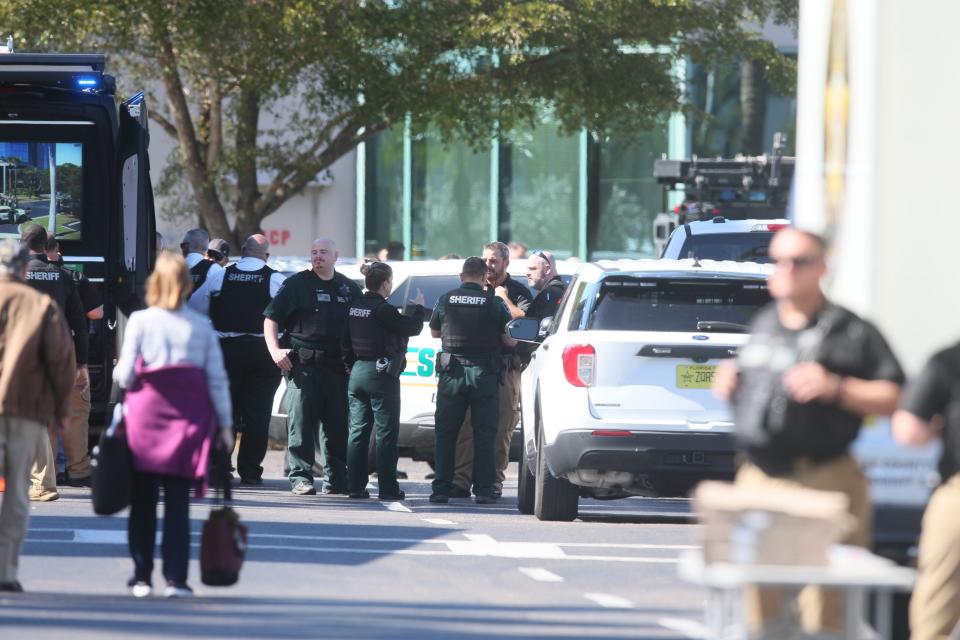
(299, 542)
(77, 616)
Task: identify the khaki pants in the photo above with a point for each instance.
(76, 436)
(19, 440)
(463, 466)
(820, 609)
(43, 473)
(935, 604)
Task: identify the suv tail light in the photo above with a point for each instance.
(579, 364)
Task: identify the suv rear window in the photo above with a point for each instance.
(752, 246)
(431, 286)
(636, 304)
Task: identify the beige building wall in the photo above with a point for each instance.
(327, 207)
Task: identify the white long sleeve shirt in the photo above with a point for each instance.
(199, 300)
(213, 285)
(182, 336)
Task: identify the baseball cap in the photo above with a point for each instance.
(219, 245)
(33, 235)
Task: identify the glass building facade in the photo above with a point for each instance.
(585, 196)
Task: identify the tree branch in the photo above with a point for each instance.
(165, 124)
(208, 202)
(215, 142)
(283, 189)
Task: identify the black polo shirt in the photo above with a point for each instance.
(548, 300)
(520, 296)
(774, 429)
(936, 391)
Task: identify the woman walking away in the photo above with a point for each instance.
(374, 346)
(177, 395)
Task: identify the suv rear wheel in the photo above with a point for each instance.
(556, 499)
(526, 483)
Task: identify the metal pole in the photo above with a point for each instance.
(52, 158)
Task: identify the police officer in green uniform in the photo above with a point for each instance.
(470, 323)
(374, 347)
(311, 308)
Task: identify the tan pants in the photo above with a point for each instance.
(75, 438)
(463, 463)
(935, 604)
(820, 609)
(43, 473)
(19, 440)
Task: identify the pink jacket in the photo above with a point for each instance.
(171, 423)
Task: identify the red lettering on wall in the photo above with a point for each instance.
(278, 237)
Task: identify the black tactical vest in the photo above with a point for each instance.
(199, 273)
(48, 278)
(325, 321)
(368, 338)
(238, 308)
(469, 326)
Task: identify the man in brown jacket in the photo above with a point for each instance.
(37, 368)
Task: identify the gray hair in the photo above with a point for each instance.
(498, 247)
(13, 257)
(196, 240)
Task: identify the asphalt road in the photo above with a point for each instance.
(337, 568)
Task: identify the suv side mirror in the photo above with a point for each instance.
(524, 329)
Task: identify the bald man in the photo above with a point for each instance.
(800, 388)
(311, 309)
(238, 296)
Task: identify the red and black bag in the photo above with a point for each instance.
(223, 545)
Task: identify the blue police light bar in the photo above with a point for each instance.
(86, 82)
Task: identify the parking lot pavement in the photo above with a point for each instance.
(334, 567)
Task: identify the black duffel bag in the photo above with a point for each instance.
(111, 468)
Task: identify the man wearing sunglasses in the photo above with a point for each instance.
(800, 388)
(542, 275)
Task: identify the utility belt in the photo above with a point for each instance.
(245, 337)
(513, 362)
(447, 361)
(315, 358)
(392, 366)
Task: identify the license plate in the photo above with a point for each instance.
(695, 376)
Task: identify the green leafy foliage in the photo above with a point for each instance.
(284, 88)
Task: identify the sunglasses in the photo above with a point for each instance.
(539, 254)
(800, 262)
(216, 255)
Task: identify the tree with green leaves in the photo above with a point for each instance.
(262, 96)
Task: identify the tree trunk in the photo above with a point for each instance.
(753, 107)
(248, 116)
(209, 208)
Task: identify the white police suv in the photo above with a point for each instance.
(723, 239)
(616, 401)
